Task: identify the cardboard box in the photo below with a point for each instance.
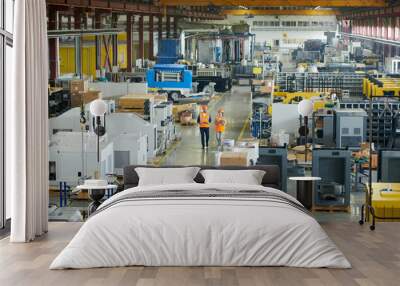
(301, 157)
(76, 86)
(178, 109)
(77, 99)
(186, 117)
(266, 89)
(234, 159)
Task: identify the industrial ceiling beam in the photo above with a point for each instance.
(77, 32)
(128, 6)
(277, 3)
(255, 12)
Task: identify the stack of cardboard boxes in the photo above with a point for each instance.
(234, 159)
(80, 94)
(178, 110)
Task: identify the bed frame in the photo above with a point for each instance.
(272, 177)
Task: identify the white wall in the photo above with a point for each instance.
(289, 37)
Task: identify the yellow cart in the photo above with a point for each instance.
(382, 203)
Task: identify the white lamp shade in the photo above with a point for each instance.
(305, 107)
(98, 107)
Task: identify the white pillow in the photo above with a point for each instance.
(166, 176)
(248, 177)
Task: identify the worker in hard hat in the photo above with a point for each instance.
(219, 126)
(204, 120)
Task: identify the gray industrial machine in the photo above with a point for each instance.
(389, 166)
(324, 129)
(333, 166)
(351, 128)
(275, 156)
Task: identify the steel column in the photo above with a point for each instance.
(141, 38)
(53, 46)
(114, 41)
(78, 43)
(129, 42)
(97, 40)
(175, 27)
(151, 37)
(168, 28)
(160, 28)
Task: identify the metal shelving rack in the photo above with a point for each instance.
(383, 119)
(351, 83)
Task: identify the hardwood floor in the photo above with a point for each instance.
(375, 257)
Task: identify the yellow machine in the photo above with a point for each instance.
(295, 97)
(381, 87)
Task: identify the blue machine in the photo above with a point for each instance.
(173, 78)
(168, 51)
(261, 125)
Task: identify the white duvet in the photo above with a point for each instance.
(200, 232)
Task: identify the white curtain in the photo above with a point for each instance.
(27, 121)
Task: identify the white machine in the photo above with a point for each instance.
(166, 130)
(130, 123)
(72, 155)
(124, 150)
(71, 119)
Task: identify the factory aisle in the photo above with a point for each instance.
(237, 105)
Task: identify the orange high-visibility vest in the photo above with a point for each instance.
(204, 120)
(219, 123)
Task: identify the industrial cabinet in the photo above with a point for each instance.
(333, 166)
(389, 166)
(275, 156)
(351, 128)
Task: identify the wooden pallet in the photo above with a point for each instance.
(331, 209)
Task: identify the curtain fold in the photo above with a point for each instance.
(27, 123)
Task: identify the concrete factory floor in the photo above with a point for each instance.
(237, 106)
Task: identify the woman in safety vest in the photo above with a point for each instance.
(219, 126)
(204, 121)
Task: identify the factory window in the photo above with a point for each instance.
(266, 23)
(6, 64)
(303, 23)
(289, 23)
(272, 23)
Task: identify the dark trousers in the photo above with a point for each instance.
(205, 136)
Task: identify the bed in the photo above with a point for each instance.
(197, 224)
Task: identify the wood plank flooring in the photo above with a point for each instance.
(375, 257)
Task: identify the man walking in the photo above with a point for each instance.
(204, 121)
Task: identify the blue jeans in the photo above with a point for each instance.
(205, 136)
(218, 135)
